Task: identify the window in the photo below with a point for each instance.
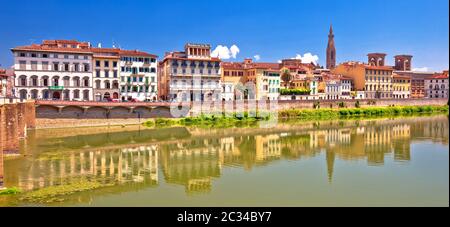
(97, 73)
(22, 65)
(115, 73)
(85, 57)
(75, 56)
(45, 55)
(22, 55)
(153, 70)
(106, 73)
(55, 66)
(45, 65)
(33, 65)
(33, 55)
(55, 56)
(66, 56)
(97, 63)
(86, 67)
(66, 67)
(76, 67)
(45, 81)
(114, 64)
(106, 63)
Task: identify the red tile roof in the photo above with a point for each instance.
(191, 59)
(401, 76)
(35, 47)
(136, 53)
(6, 72)
(438, 76)
(232, 65)
(379, 67)
(82, 47)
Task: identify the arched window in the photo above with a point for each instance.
(23, 81)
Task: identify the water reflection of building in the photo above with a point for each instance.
(196, 161)
(192, 164)
(118, 166)
(267, 147)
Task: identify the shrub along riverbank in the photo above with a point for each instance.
(248, 120)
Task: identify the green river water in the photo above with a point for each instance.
(378, 162)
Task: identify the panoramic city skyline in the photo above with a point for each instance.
(246, 31)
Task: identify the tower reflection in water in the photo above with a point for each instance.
(194, 161)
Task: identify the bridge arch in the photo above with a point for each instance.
(121, 112)
(47, 111)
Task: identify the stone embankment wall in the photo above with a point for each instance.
(15, 118)
(56, 115)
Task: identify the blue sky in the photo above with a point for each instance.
(272, 29)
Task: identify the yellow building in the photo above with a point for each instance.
(401, 87)
(374, 80)
(265, 77)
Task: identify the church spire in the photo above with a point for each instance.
(331, 50)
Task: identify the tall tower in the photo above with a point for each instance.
(403, 62)
(331, 50)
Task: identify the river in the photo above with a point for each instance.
(378, 162)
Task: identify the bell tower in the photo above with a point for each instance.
(331, 50)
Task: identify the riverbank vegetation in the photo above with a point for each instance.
(358, 112)
(245, 119)
(10, 191)
(57, 193)
(300, 91)
(248, 120)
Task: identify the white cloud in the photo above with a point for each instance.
(234, 51)
(279, 61)
(257, 57)
(308, 58)
(223, 52)
(423, 69)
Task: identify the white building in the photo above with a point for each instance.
(192, 75)
(332, 89)
(436, 86)
(271, 84)
(227, 91)
(138, 75)
(106, 74)
(346, 88)
(55, 69)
